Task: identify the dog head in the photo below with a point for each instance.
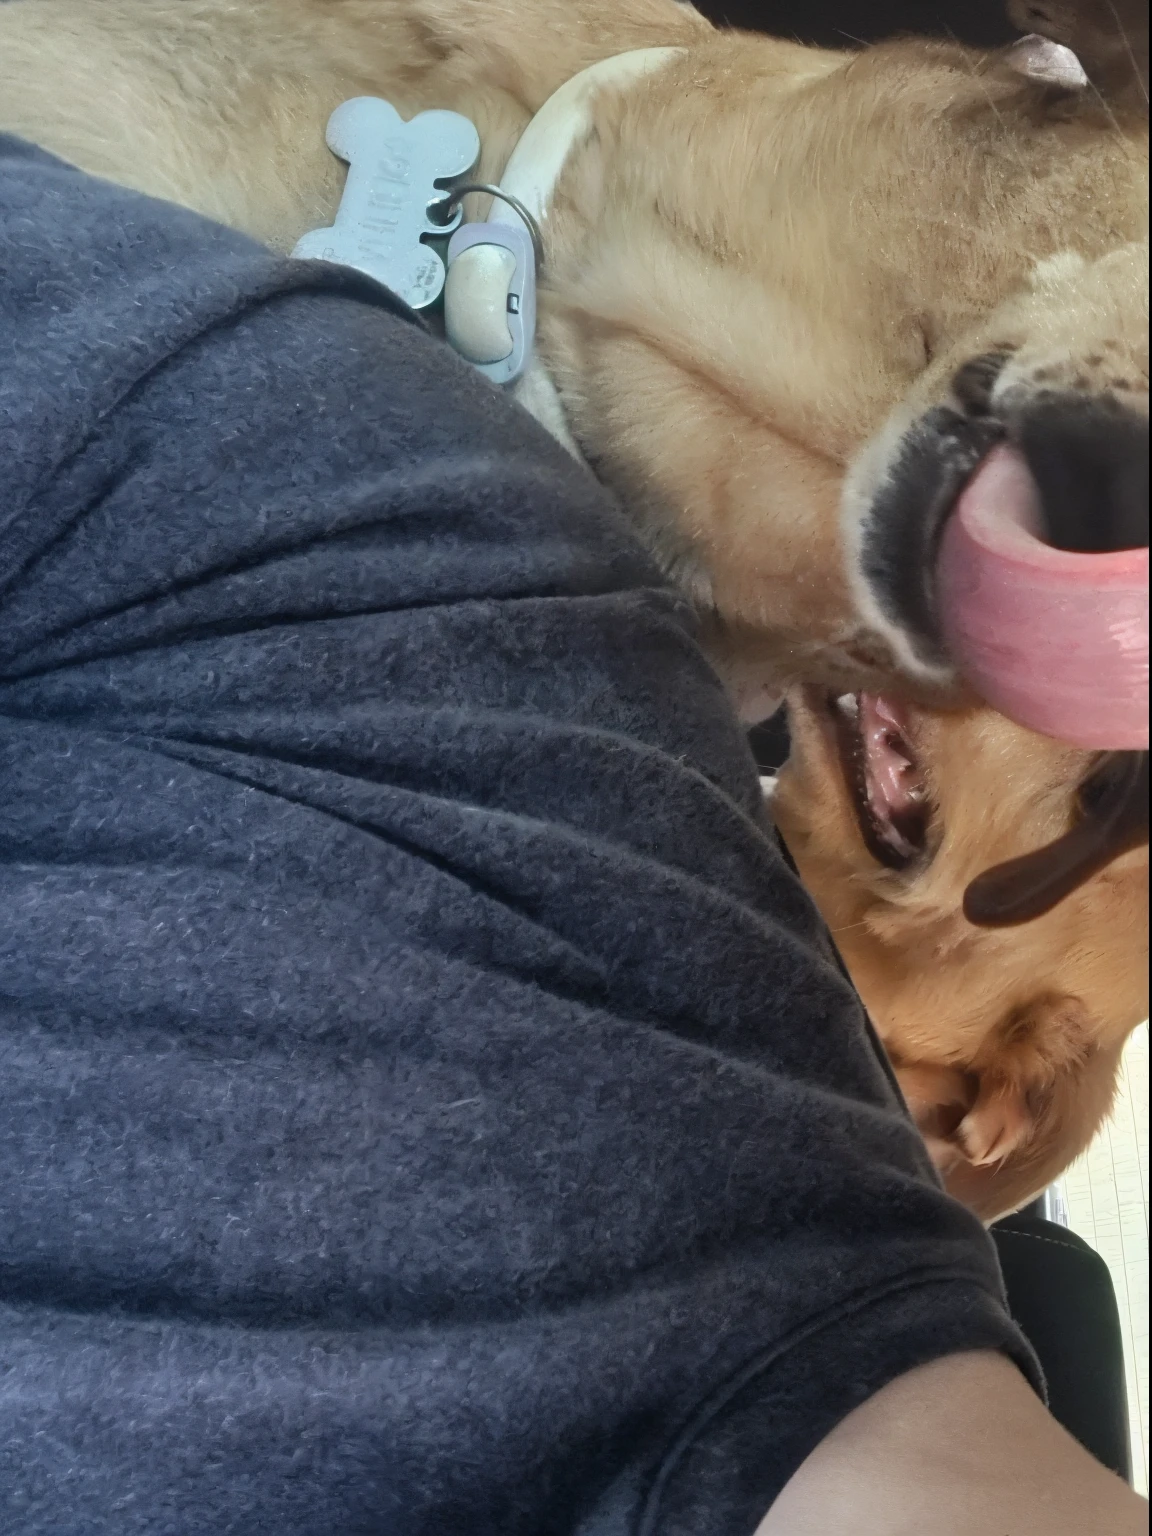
(859, 274)
(988, 891)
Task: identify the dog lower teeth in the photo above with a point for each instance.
(884, 775)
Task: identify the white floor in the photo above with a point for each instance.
(1106, 1196)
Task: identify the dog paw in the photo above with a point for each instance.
(998, 1123)
(938, 1097)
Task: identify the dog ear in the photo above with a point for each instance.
(1109, 37)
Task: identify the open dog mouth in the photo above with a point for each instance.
(884, 777)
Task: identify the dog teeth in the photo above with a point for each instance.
(849, 706)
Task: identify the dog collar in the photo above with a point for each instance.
(477, 295)
(401, 176)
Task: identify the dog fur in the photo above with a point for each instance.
(1006, 1042)
(763, 263)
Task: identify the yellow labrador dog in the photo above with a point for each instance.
(792, 301)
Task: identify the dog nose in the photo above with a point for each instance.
(1089, 459)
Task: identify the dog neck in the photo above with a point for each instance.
(531, 174)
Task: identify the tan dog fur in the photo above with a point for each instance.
(754, 278)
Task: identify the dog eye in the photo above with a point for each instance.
(974, 382)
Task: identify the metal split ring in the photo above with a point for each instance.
(457, 194)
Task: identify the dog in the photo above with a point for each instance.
(791, 298)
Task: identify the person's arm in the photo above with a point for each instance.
(959, 1447)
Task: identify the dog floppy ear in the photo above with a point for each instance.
(1109, 37)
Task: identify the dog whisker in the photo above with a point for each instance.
(1128, 49)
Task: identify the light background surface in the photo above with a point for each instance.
(1106, 1197)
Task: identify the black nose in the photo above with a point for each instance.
(1089, 457)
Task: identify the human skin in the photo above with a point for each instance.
(960, 1447)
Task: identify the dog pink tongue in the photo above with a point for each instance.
(1055, 640)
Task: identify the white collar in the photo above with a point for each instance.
(531, 174)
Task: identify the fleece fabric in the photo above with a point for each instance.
(429, 1106)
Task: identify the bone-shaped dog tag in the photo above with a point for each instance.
(396, 170)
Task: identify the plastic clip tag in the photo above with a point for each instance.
(490, 298)
(397, 171)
